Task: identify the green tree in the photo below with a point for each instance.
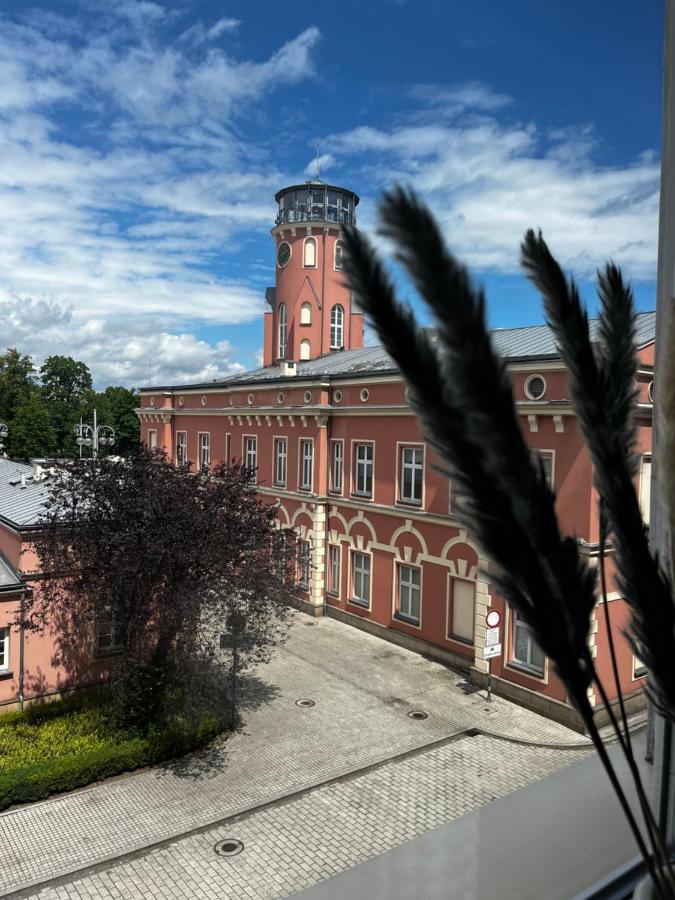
(66, 383)
(17, 382)
(32, 433)
(115, 406)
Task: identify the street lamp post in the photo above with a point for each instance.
(94, 436)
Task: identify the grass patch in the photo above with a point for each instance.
(70, 743)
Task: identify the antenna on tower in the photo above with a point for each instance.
(317, 164)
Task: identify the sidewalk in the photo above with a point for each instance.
(363, 689)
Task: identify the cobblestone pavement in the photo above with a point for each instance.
(363, 689)
(300, 842)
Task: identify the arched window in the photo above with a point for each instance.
(309, 258)
(338, 254)
(337, 320)
(306, 314)
(283, 330)
(304, 350)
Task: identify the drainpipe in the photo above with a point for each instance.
(22, 636)
(326, 555)
(323, 286)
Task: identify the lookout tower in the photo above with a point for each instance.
(309, 310)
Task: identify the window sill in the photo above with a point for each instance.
(335, 492)
(536, 674)
(355, 601)
(362, 496)
(279, 484)
(6, 674)
(465, 642)
(305, 489)
(406, 620)
(414, 503)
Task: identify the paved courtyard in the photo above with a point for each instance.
(310, 791)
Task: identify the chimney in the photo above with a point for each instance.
(288, 369)
(23, 480)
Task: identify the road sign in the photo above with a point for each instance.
(491, 652)
(491, 637)
(493, 618)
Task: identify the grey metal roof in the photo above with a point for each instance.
(21, 506)
(531, 342)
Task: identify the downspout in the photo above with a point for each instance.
(22, 636)
(323, 285)
(326, 555)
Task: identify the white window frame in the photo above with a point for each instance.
(306, 243)
(306, 314)
(639, 668)
(228, 448)
(354, 598)
(361, 468)
(249, 455)
(305, 354)
(304, 564)
(152, 439)
(110, 629)
(338, 250)
(450, 633)
(337, 466)
(4, 649)
(527, 666)
(282, 336)
(545, 455)
(306, 464)
(645, 486)
(204, 465)
(337, 328)
(405, 586)
(334, 568)
(414, 467)
(280, 461)
(181, 446)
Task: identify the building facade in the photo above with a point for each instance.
(328, 434)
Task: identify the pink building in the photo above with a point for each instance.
(327, 432)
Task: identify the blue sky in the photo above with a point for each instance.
(143, 142)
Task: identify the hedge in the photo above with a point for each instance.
(37, 781)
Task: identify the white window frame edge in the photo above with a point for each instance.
(175, 454)
(507, 652)
(6, 641)
(243, 454)
(398, 500)
(275, 438)
(352, 473)
(396, 562)
(199, 447)
(526, 387)
(552, 454)
(350, 593)
(337, 594)
(305, 490)
(331, 490)
(310, 237)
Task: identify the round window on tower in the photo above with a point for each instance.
(365, 394)
(284, 254)
(281, 397)
(337, 397)
(535, 387)
(204, 400)
(250, 399)
(308, 397)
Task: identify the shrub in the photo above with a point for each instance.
(65, 745)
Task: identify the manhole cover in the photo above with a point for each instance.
(305, 702)
(228, 847)
(417, 714)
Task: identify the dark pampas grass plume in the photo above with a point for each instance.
(602, 386)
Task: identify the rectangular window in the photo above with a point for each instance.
(108, 635)
(363, 475)
(228, 449)
(462, 610)
(251, 456)
(4, 649)
(336, 466)
(152, 440)
(361, 578)
(280, 457)
(526, 653)
(411, 475)
(181, 448)
(335, 570)
(204, 452)
(303, 564)
(639, 668)
(306, 465)
(645, 488)
(408, 606)
(546, 457)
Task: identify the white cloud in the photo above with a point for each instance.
(325, 162)
(489, 180)
(116, 240)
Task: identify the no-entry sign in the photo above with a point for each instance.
(493, 618)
